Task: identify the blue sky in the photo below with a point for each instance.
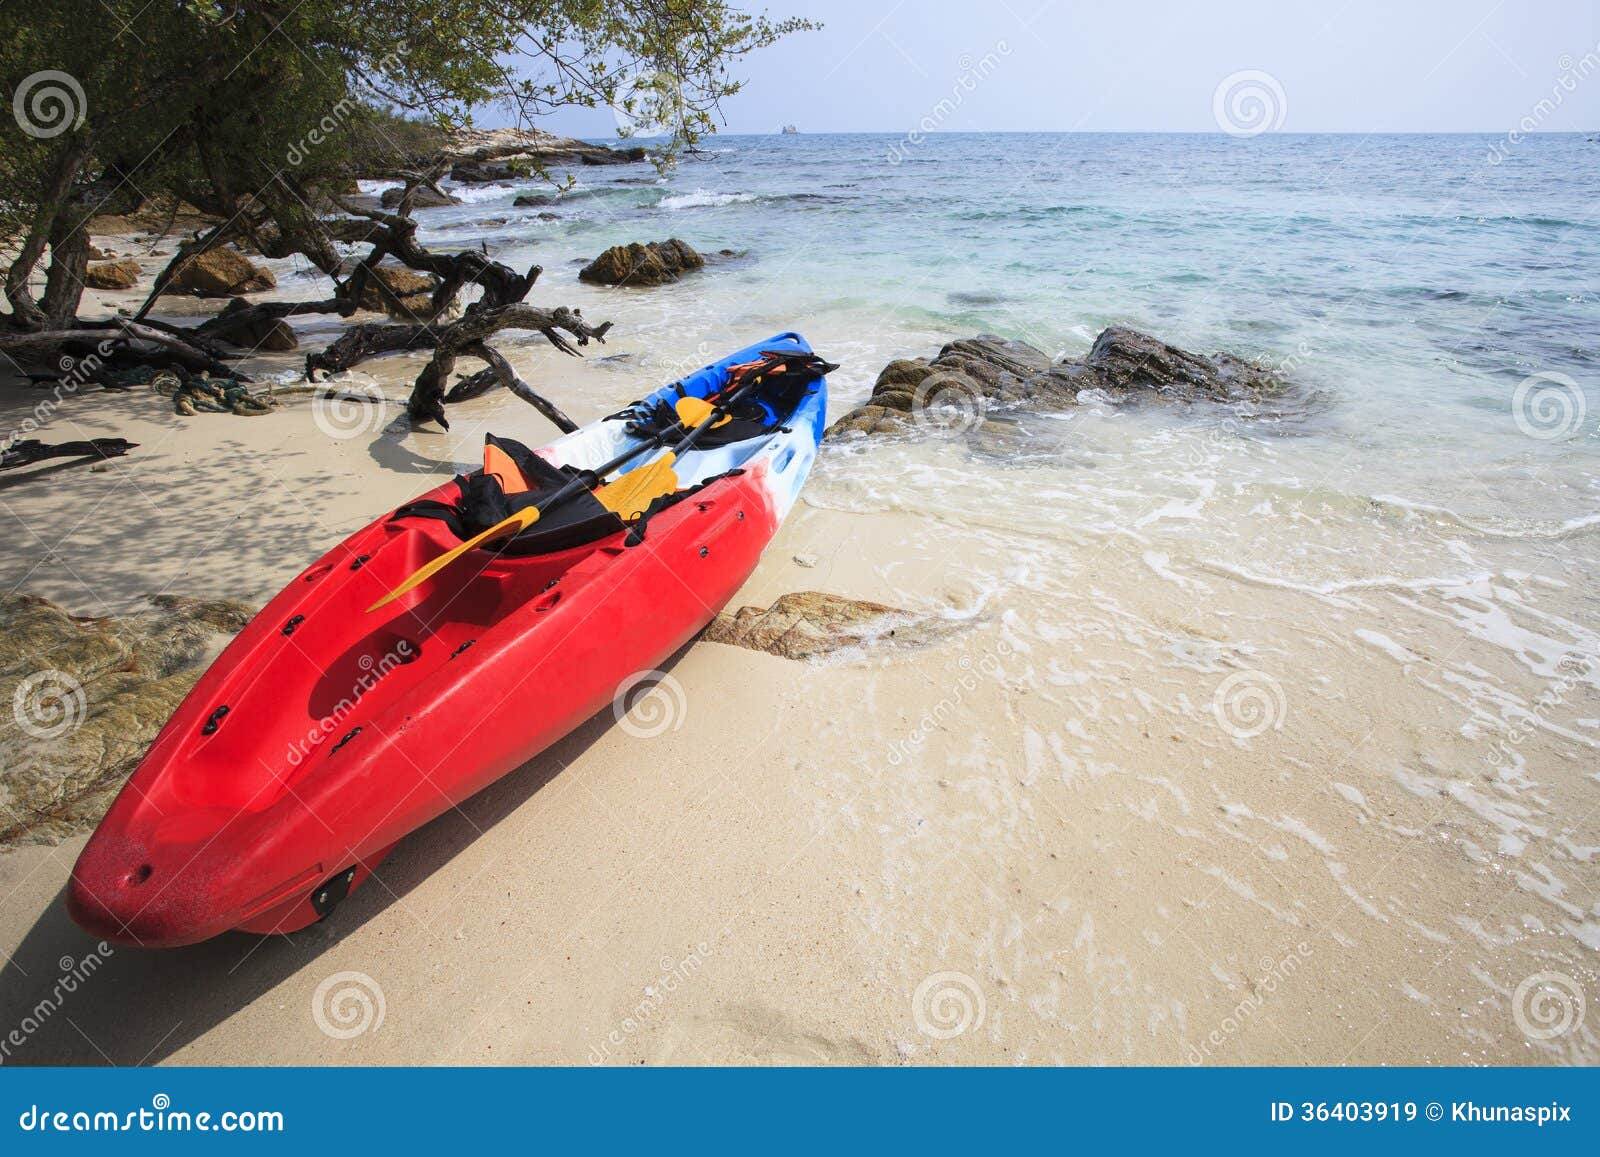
(1155, 65)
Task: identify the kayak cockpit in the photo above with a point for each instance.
(330, 668)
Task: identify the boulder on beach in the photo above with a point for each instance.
(654, 263)
(974, 375)
(811, 624)
(395, 290)
(220, 272)
(123, 274)
(89, 695)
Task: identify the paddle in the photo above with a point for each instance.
(643, 484)
(631, 495)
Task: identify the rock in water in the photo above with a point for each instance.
(220, 272)
(974, 375)
(88, 697)
(636, 264)
(810, 624)
(422, 198)
(122, 274)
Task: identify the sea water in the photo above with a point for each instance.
(1348, 644)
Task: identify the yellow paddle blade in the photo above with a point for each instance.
(693, 411)
(631, 495)
(521, 520)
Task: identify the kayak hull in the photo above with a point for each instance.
(340, 732)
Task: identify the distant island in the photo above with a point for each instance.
(788, 130)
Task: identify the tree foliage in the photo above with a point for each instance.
(251, 109)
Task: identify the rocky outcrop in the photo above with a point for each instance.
(509, 154)
(85, 698)
(653, 264)
(122, 274)
(811, 624)
(972, 376)
(220, 272)
(422, 197)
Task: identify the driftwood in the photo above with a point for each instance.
(369, 340)
(118, 342)
(297, 228)
(469, 337)
(32, 450)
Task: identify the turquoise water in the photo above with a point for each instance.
(1406, 281)
(1330, 673)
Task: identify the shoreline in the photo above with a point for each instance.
(1042, 818)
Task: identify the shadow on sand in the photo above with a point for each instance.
(141, 1006)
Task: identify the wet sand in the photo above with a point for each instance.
(1115, 817)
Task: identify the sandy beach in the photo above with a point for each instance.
(1049, 836)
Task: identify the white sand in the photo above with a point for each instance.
(1032, 843)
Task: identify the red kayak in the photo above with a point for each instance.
(325, 733)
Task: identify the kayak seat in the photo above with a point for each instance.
(514, 479)
(754, 416)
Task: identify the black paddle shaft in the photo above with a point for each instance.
(588, 479)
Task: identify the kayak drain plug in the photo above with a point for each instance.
(327, 897)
